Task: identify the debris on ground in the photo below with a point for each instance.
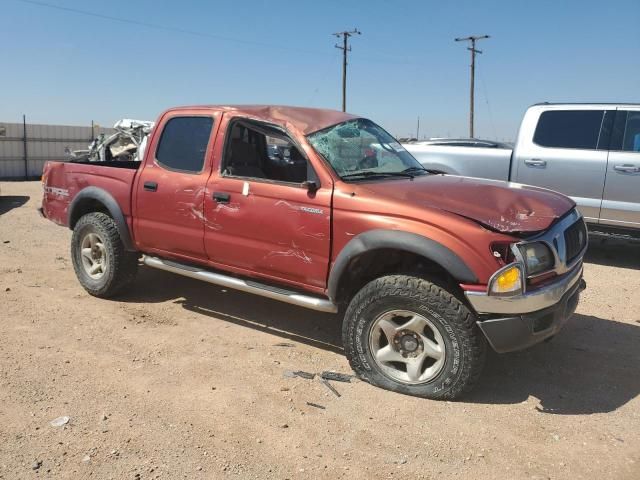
(299, 373)
(60, 421)
(283, 344)
(36, 465)
(338, 377)
(311, 404)
(330, 387)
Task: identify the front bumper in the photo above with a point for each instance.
(527, 302)
(516, 323)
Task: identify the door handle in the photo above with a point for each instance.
(221, 197)
(626, 168)
(536, 162)
(150, 186)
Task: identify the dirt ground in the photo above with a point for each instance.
(181, 379)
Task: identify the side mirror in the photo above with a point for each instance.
(310, 185)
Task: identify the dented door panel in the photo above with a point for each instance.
(280, 231)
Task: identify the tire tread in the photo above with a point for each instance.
(436, 298)
(123, 263)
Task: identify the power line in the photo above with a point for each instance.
(323, 79)
(345, 49)
(486, 97)
(474, 50)
(158, 26)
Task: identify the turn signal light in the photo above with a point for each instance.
(507, 281)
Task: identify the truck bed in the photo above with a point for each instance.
(61, 182)
(468, 161)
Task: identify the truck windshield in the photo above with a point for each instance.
(361, 150)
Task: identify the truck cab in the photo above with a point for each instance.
(590, 152)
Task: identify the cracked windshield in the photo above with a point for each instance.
(359, 149)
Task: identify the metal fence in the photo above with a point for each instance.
(25, 147)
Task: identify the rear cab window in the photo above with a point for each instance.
(183, 143)
(577, 129)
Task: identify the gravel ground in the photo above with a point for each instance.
(180, 379)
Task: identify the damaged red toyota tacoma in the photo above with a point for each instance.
(325, 210)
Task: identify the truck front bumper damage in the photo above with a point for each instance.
(516, 323)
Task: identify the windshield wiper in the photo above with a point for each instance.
(369, 174)
(415, 169)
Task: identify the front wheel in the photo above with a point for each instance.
(411, 336)
(102, 264)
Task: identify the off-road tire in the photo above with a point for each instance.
(122, 265)
(465, 344)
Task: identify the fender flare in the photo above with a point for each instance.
(398, 240)
(112, 206)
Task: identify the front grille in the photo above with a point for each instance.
(575, 238)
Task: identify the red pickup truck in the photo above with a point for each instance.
(325, 210)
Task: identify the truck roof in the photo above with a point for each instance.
(307, 120)
(586, 104)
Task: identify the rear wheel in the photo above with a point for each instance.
(102, 264)
(410, 335)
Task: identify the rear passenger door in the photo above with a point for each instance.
(169, 193)
(621, 199)
(568, 153)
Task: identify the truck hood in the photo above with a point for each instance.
(501, 206)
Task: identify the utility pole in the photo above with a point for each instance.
(473, 50)
(345, 48)
(418, 129)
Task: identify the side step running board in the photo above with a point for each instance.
(275, 293)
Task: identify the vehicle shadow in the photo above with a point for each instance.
(613, 252)
(289, 322)
(591, 367)
(9, 202)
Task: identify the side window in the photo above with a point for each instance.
(569, 129)
(183, 143)
(631, 137)
(261, 151)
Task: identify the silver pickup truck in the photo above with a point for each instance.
(590, 152)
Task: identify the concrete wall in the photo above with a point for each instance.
(43, 143)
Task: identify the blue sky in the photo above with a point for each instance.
(69, 68)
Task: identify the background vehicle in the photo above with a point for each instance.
(463, 156)
(428, 267)
(590, 152)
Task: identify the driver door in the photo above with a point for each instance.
(260, 218)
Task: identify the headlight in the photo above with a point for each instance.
(506, 281)
(537, 257)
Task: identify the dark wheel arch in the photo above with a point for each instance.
(92, 199)
(398, 240)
